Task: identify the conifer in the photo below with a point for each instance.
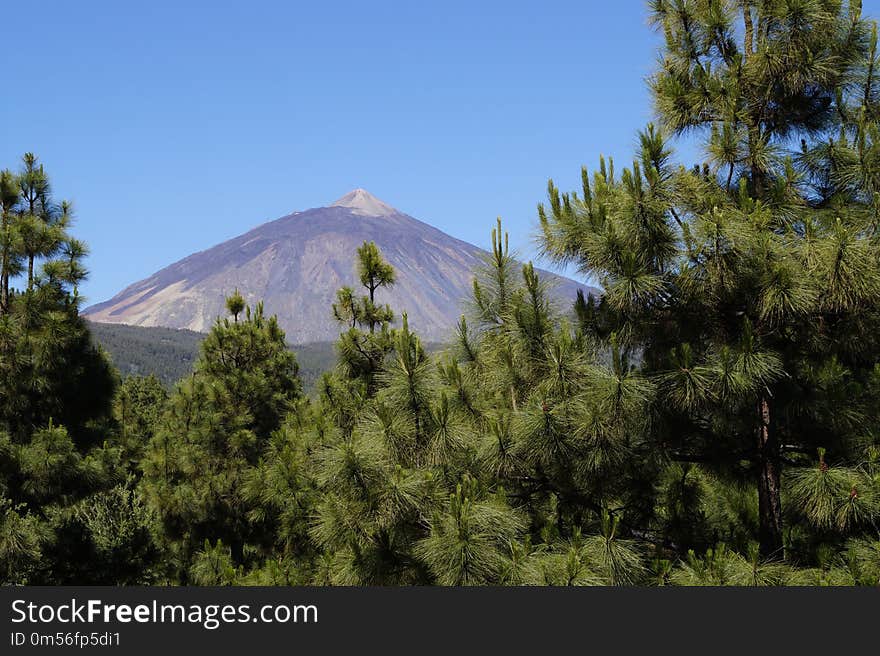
(738, 281)
(217, 426)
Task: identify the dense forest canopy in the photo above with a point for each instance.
(170, 353)
(711, 419)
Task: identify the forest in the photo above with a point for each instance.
(169, 353)
(711, 419)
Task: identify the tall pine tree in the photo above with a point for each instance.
(742, 284)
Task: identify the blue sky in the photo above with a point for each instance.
(176, 125)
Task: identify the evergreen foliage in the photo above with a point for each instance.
(711, 419)
(742, 284)
(169, 354)
(362, 349)
(58, 448)
(216, 426)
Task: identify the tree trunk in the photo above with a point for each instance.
(4, 288)
(749, 28)
(4, 266)
(769, 502)
(372, 288)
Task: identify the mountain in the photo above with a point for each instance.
(296, 263)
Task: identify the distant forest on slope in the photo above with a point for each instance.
(167, 353)
(170, 353)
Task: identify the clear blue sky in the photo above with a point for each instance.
(176, 125)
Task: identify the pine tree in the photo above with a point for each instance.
(44, 344)
(471, 540)
(34, 212)
(742, 283)
(58, 452)
(217, 425)
(375, 480)
(362, 349)
(22, 536)
(374, 273)
(562, 430)
(283, 495)
(137, 407)
(403, 452)
(10, 248)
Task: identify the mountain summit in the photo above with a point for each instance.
(361, 201)
(296, 263)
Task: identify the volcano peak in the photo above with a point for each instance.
(361, 201)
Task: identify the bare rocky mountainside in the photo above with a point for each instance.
(296, 263)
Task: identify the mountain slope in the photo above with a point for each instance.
(170, 354)
(296, 263)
